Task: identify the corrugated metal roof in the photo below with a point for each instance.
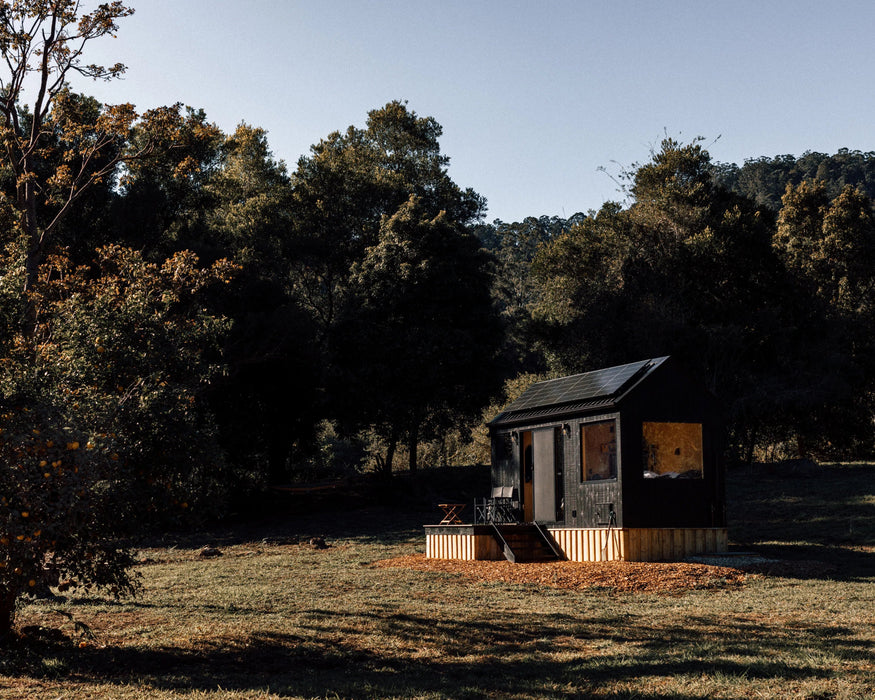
(600, 388)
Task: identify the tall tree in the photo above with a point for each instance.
(43, 43)
(419, 340)
(102, 418)
(369, 207)
(268, 402)
(514, 246)
(828, 246)
(349, 182)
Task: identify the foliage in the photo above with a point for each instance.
(417, 344)
(162, 199)
(349, 182)
(514, 247)
(267, 406)
(130, 351)
(765, 179)
(398, 290)
(56, 147)
(116, 369)
(829, 248)
(59, 518)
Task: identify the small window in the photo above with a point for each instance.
(672, 450)
(598, 450)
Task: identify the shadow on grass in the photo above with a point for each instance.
(820, 522)
(559, 656)
(369, 507)
(816, 562)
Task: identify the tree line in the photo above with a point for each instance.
(184, 320)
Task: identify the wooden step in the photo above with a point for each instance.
(526, 543)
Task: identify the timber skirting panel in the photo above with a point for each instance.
(465, 546)
(639, 544)
(655, 544)
(585, 544)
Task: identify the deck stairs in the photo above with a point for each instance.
(526, 542)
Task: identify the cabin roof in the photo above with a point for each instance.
(601, 388)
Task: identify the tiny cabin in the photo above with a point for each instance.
(623, 463)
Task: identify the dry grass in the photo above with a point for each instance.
(286, 620)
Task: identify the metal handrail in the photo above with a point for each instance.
(548, 538)
(508, 552)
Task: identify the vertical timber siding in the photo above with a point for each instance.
(464, 546)
(586, 544)
(590, 544)
(655, 544)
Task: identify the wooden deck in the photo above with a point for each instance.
(476, 542)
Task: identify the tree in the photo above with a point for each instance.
(828, 246)
(42, 43)
(162, 200)
(367, 206)
(764, 180)
(103, 418)
(829, 243)
(349, 182)
(58, 516)
(424, 332)
(514, 247)
(268, 403)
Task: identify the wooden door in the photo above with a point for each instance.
(528, 475)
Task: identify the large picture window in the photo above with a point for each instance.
(598, 450)
(672, 450)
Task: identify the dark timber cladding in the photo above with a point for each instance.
(636, 446)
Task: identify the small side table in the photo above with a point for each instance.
(452, 511)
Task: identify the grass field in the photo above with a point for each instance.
(271, 619)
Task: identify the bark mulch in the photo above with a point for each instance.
(615, 576)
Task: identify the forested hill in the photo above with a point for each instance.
(764, 180)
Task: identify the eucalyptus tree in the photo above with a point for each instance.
(378, 223)
(828, 246)
(43, 44)
(417, 345)
(349, 182)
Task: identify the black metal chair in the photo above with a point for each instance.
(501, 507)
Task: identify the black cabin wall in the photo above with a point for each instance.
(668, 394)
(671, 396)
(592, 501)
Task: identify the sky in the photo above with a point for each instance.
(543, 104)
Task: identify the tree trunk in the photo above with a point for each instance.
(751, 445)
(390, 455)
(413, 447)
(34, 257)
(278, 458)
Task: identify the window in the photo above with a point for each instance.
(598, 450)
(672, 450)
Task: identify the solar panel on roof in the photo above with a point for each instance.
(580, 387)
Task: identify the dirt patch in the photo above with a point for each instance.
(621, 577)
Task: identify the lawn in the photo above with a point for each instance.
(270, 618)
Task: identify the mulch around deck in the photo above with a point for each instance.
(615, 576)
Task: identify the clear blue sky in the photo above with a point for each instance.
(533, 96)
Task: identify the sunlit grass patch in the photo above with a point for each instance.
(290, 621)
